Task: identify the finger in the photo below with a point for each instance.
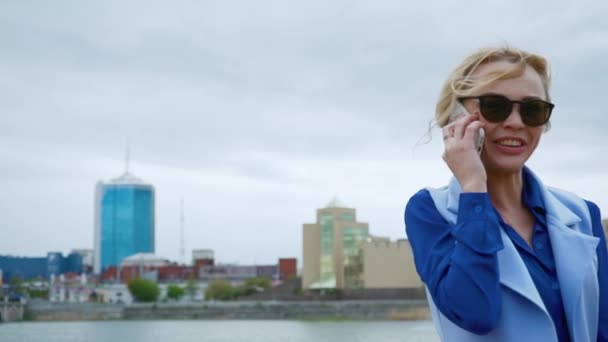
(447, 131)
(463, 123)
(473, 128)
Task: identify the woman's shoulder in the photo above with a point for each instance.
(566, 197)
(582, 207)
(422, 196)
(563, 193)
(422, 204)
(425, 193)
(421, 213)
(572, 200)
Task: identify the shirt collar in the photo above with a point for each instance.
(532, 196)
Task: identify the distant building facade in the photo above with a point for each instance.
(237, 274)
(331, 248)
(162, 271)
(388, 264)
(339, 253)
(40, 267)
(87, 259)
(124, 220)
(202, 254)
(288, 268)
(23, 267)
(605, 224)
(203, 257)
(57, 264)
(70, 287)
(147, 266)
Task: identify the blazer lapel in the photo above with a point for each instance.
(574, 253)
(513, 272)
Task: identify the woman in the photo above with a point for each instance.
(503, 257)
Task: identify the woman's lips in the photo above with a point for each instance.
(510, 145)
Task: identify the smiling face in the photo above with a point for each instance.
(509, 144)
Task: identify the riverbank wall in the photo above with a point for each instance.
(272, 310)
(46, 311)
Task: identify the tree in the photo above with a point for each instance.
(44, 293)
(222, 290)
(175, 292)
(219, 289)
(191, 287)
(143, 290)
(258, 283)
(16, 284)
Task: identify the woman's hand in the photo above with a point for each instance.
(461, 155)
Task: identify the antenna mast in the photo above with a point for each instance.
(127, 157)
(182, 249)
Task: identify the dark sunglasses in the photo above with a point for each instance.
(497, 108)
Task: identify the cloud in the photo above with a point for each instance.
(257, 113)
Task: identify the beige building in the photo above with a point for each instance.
(605, 224)
(388, 264)
(329, 246)
(339, 252)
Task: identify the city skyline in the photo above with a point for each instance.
(256, 114)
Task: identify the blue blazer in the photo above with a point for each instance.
(524, 316)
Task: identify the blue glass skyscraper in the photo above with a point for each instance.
(124, 220)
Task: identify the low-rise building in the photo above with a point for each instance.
(331, 247)
(114, 294)
(237, 274)
(71, 288)
(288, 268)
(40, 267)
(388, 264)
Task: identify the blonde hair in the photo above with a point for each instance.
(461, 82)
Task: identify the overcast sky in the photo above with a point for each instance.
(257, 113)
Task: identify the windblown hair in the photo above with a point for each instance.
(462, 82)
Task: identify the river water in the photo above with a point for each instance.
(218, 331)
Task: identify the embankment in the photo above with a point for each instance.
(45, 311)
(305, 310)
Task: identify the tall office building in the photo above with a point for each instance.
(124, 220)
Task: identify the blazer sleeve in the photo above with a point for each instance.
(458, 263)
(602, 272)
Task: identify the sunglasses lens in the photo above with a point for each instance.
(495, 108)
(535, 112)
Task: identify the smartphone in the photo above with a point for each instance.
(457, 112)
